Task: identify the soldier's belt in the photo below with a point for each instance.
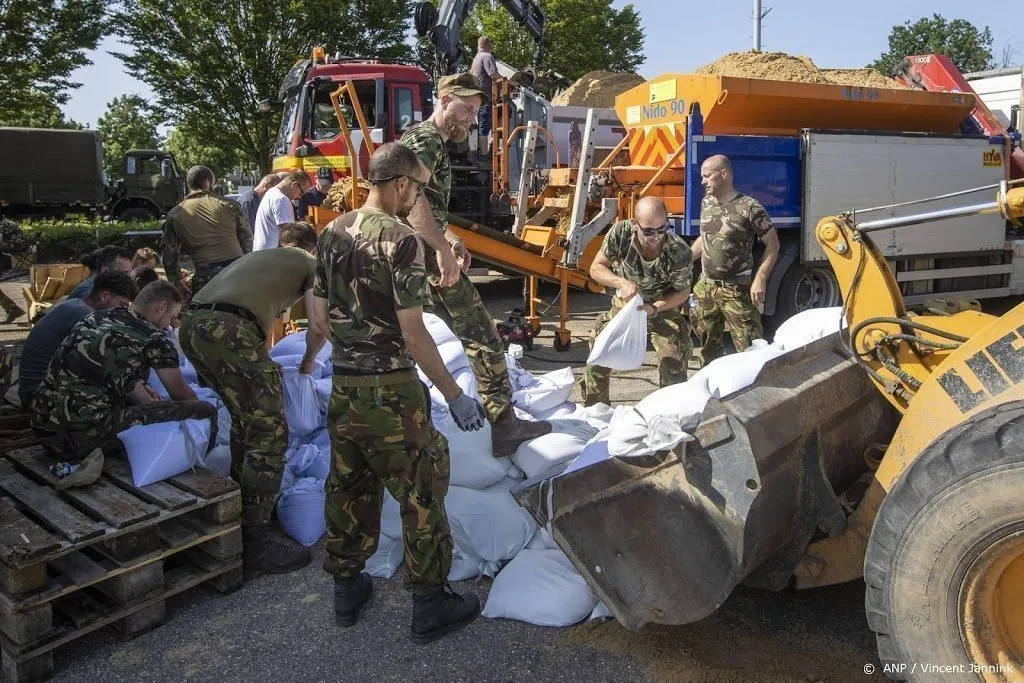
(244, 313)
(731, 280)
(349, 381)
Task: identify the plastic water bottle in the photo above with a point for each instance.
(516, 351)
(693, 301)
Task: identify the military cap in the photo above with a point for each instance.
(461, 85)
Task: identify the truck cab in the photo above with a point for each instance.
(392, 97)
(151, 185)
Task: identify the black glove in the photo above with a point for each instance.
(468, 414)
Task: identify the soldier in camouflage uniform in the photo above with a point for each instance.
(728, 290)
(371, 290)
(94, 387)
(223, 333)
(455, 299)
(643, 256)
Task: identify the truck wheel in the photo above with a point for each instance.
(944, 567)
(135, 213)
(805, 287)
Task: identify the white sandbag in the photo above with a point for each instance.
(439, 331)
(302, 406)
(540, 587)
(453, 355)
(466, 566)
(390, 517)
(550, 390)
(219, 460)
(591, 454)
(729, 374)
(385, 562)
(469, 453)
(623, 341)
(538, 455)
(489, 523)
(308, 460)
(464, 378)
(661, 421)
(809, 325)
(165, 449)
(323, 387)
(567, 410)
(601, 612)
(295, 345)
(519, 379)
(300, 510)
(223, 414)
(542, 540)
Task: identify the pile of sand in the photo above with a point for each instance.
(779, 66)
(597, 89)
(339, 196)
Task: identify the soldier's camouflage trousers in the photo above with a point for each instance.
(230, 356)
(75, 445)
(381, 436)
(462, 309)
(670, 335)
(6, 371)
(722, 306)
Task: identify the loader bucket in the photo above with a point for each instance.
(666, 538)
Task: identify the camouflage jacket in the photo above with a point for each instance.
(425, 140)
(671, 272)
(369, 265)
(728, 230)
(96, 367)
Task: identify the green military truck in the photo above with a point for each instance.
(53, 173)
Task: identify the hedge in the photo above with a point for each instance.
(67, 240)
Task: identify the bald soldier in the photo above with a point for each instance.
(455, 299)
(643, 256)
(729, 290)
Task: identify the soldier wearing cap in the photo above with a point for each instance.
(317, 194)
(455, 299)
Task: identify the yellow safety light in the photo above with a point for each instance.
(318, 54)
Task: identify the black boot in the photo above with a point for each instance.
(437, 610)
(267, 550)
(508, 431)
(349, 597)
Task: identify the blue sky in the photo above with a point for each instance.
(682, 35)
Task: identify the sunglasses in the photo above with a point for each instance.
(651, 232)
(421, 185)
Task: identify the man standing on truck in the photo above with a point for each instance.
(484, 69)
(371, 288)
(276, 209)
(223, 333)
(455, 299)
(643, 256)
(209, 228)
(729, 291)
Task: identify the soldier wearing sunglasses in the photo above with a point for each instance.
(729, 290)
(644, 256)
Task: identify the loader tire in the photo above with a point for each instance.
(947, 549)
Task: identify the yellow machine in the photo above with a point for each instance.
(892, 449)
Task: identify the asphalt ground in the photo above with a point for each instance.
(280, 628)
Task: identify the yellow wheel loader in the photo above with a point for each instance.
(892, 449)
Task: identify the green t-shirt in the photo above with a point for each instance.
(265, 282)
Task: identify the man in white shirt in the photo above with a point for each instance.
(276, 209)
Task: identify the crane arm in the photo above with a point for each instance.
(440, 28)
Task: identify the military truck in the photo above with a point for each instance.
(53, 173)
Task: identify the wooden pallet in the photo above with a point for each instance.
(107, 553)
(15, 431)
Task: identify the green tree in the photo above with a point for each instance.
(190, 149)
(128, 123)
(960, 40)
(579, 36)
(41, 43)
(212, 62)
(38, 111)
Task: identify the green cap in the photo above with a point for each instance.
(461, 85)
